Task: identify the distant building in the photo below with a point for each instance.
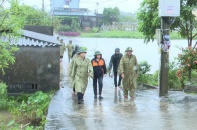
(64, 3)
(86, 18)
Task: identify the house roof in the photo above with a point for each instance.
(30, 38)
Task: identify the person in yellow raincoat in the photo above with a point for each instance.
(75, 56)
(70, 47)
(129, 72)
(81, 70)
(62, 49)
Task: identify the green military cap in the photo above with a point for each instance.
(129, 49)
(82, 49)
(97, 53)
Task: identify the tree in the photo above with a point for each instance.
(11, 22)
(35, 16)
(111, 15)
(185, 24)
(127, 18)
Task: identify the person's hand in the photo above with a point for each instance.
(122, 75)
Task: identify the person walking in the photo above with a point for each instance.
(75, 56)
(129, 72)
(62, 49)
(114, 62)
(75, 51)
(99, 68)
(70, 47)
(81, 70)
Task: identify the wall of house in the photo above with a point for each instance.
(48, 30)
(35, 68)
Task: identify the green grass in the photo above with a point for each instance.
(124, 34)
(114, 34)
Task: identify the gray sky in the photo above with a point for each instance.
(123, 5)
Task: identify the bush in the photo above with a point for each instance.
(187, 61)
(5, 103)
(143, 67)
(3, 91)
(154, 79)
(75, 26)
(173, 82)
(35, 109)
(95, 30)
(64, 28)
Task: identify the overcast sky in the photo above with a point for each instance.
(123, 5)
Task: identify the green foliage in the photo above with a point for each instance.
(64, 28)
(173, 82)
(114, 34)
(111, 15)
(36, 107)
(154, 79)
(11, 21)
(75, 26)
(6, 55)
(127, 18)
(3, 91)
(5, 103)
(143, 67)
(38, 17)
(68, 24)
(186, 24)
(187, 62)
(148, 19)
(95, 30)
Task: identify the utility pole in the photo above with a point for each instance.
(43, 5)
(163, 84)
(168, 10)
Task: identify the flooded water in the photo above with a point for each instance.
(145, 52)
(177, 111)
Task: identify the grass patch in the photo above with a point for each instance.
(124, 34)
(114, 34)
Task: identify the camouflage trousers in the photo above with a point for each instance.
(130, 86)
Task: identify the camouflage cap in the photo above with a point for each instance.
(129, 49)
(82, 50)
(97, 53)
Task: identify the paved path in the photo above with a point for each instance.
(178, 111)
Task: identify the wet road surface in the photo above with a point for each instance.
(178, 111)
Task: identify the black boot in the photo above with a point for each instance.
(100, 97)
(82, 98)
(79, 95)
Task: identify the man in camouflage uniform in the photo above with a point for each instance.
(81, 70)
(128, 70)
(75, 56)
(70, 47)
